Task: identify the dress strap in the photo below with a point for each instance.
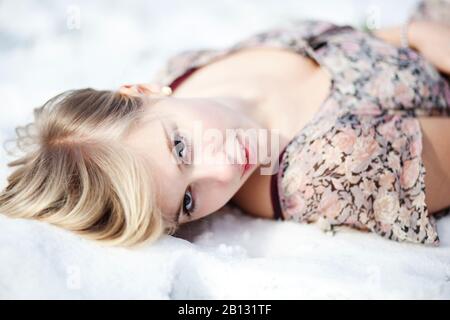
(274, 192)
(275, 199)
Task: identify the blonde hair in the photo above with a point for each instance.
(79, 175)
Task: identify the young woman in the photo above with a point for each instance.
(356, 123)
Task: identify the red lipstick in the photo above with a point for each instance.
(246, 166)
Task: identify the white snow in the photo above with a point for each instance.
(50, 46)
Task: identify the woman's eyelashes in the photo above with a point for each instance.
(182, 148)
(188, 203)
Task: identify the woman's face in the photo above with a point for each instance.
(199, 159)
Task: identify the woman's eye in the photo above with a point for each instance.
(188, 203)
(179, 147)
(182, 148)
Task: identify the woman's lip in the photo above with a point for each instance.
(245, 166)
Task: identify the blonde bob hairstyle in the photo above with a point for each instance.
(78, 174)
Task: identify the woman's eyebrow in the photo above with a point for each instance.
(169, 144)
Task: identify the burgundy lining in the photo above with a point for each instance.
(274, 197)
(274, 193)
(181, 78)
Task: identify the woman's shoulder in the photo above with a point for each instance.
(182, 61)
(294, 33)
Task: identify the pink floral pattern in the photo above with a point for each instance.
(358, 161)
(366, 170)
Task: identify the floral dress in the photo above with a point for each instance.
(358, 162)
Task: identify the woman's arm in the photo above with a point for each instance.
(431, 39)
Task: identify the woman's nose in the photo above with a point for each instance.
(215, 173)
(216, 165)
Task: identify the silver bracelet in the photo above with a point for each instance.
(404, 40)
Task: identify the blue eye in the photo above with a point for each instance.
(188, 203)
(182, 148)
(179, 147)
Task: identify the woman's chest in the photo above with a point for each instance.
(288, 87)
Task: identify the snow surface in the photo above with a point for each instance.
(49, 46)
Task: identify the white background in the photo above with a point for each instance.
(50, 46)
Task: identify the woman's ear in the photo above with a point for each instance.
(129, 89)
(144, 89)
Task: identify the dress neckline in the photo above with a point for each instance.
(205, 57)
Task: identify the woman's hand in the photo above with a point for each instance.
(432, 40)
